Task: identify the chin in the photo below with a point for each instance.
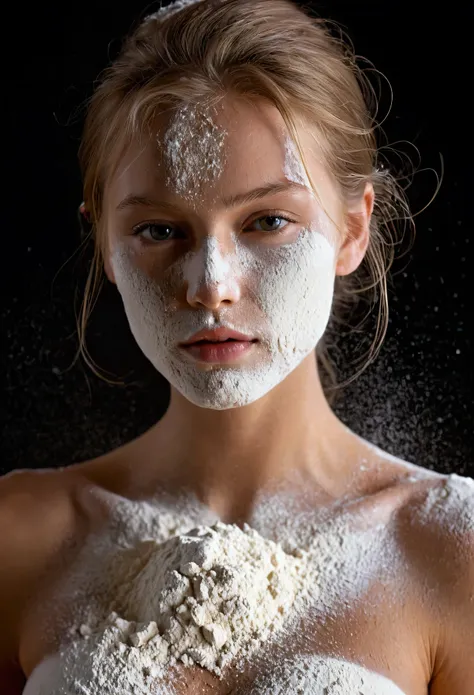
(223, 389)
(213, 404)
(219, 400)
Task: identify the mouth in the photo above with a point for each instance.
(203, 341)
(219, 351)
(217, 335)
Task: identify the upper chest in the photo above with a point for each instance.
(360, 607)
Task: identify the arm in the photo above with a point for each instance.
(12, 678)
(454, 660)
(30, 515)
(453, 670)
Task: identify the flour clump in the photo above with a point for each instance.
(214, 593)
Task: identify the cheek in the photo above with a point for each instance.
(140, 273)
(294, 284)
(141, 294)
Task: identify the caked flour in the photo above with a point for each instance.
(205, 597)
(181, 593)
(213, 593)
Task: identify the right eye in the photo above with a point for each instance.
(158, 232)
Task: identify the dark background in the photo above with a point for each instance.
(416, 401)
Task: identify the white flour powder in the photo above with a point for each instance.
(193, 147)
(212, 596)
(285, 288)
(205, 597)
(215, 593)
(317, 676)
(452, 505)
(293, 167)
(165, 12)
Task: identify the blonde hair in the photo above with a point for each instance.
(195, 52)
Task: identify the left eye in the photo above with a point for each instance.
(270, 220)
(158, 232)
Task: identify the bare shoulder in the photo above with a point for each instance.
(433, 517)
(442, 509)
(437, 529)
(37, 515)
(33, 500)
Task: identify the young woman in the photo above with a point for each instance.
(233, 185)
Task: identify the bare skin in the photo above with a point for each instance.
(398, 632)
(415, 631)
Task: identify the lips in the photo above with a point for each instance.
(216, 342)
(218, 335)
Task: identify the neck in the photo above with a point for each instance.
(226, 457)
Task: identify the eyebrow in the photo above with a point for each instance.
(230, 201)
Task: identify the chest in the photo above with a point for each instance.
(356, 611)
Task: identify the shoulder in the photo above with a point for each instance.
(435, 534)
(449, 504)
(432, 516)
(435, 526)
(34, 505)
(442, 508)
(37, 516)
(35, 500)
(429, 504)
(440, 511)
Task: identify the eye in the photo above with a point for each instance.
(158, 232)
(270, 220)
(164, 231)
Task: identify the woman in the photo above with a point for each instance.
(231, 179)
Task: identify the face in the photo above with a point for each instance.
(188, 253)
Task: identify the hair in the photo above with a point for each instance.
(197, 51)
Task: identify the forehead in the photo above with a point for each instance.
(253, 149)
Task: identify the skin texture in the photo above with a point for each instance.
(415, 629)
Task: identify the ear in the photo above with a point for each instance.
(356, 241)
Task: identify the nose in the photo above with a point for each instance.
(212, 277)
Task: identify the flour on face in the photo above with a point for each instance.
(193, 150)
(291, 287)
(294, 169)
(285, 289)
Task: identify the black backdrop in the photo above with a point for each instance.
(416, 401)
